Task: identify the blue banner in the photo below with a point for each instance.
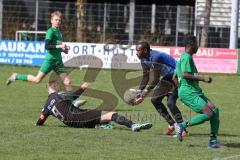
(22, 52)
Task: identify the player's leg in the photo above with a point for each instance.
(214, 123)
(196, 102)
(25, 77)
(107, 116)
(44, 70)
(61, 70)
(67, 82)
(200, 105)
(36, 79)
(162, 110)
(171, 103)
(207, 111)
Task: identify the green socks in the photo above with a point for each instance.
(214, 121)
(199, 119)
(22, 77)
(213, 137)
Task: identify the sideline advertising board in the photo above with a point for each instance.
(210, 60)
(22, 52)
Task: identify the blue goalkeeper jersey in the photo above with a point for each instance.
(161, 63)
(160, 60)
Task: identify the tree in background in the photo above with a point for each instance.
(80, 36)
(204, 35)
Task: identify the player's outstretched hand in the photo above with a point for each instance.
(144, 93)
(66, 49)
(207, 79)
(137, 100)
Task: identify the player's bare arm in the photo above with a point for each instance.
(196, 77)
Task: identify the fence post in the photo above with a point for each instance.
(234, 25)
(153, 18)
(177, 24)
(36, 20)
(1, 17)
(131, 20)
(104, 22)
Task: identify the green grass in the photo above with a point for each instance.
(21, 103)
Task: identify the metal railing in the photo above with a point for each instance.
(163, 25)
(30, 35)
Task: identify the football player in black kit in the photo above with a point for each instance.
(59, 105)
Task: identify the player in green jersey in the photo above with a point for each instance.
(53, 60)
(191, 94)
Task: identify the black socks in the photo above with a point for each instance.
(121, 120)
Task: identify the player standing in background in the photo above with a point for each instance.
(53, 59)
(191, 94)
(59, 105)
(163, 66)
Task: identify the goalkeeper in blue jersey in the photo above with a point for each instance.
(162, 66)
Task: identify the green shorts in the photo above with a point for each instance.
(55, 65)
(194, 100)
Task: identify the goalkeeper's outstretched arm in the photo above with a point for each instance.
(41, 119)
(80, 90)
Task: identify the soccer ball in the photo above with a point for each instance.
(130, 95)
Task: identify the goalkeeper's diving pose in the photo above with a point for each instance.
(162, 65)
(59, 105)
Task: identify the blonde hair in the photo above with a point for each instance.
(56, 13)
(52, 82)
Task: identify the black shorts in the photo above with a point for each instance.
(76, 117)
(165, 87)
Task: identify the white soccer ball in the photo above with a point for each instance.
(130, 95)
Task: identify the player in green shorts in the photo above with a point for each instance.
(191, 94)
(53, 60)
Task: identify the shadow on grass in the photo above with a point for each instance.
(219, 135)
(232, 145)
(119, 110)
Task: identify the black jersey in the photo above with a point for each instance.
(50, 104)
(53, 100)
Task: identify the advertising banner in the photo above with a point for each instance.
(211, 60)
(22, 52)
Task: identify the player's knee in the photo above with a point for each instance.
(37, 80)
(210, 110)
(106, 116)
(216, 112)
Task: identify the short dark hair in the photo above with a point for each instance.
(143, 45)
(189, 40)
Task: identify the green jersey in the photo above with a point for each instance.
(186, 64)
(55, 37)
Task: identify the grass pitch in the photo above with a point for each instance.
(21, 104)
